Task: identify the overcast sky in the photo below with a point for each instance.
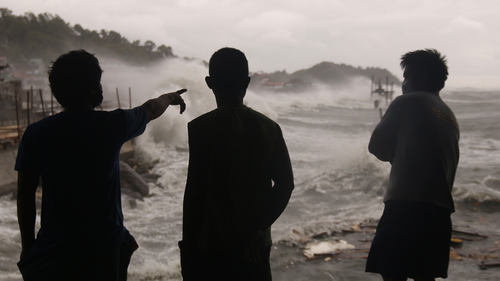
(297, 34)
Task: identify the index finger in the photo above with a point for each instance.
(181, 91)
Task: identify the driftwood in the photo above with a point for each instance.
(320, 235)
(469, 233)
(485, 265)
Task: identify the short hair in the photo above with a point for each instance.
(72, 76)
(428, 64)
(229, 65)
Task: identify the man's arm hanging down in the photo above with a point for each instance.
(26, 208)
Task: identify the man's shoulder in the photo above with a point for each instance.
(416, 96)
(261, 116)
(414, 99)
(202, 118)
(46, 123)
(219, 113)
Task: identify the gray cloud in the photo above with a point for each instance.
(295, 34)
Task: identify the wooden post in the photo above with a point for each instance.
(28, 105)
(371, 92)
(51, 103)
(387, 90)
(17, 117)
(31, 97)
(392, 89)
(130, 97)
(41, 100)
(118, 98)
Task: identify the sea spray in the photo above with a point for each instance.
(338, 182)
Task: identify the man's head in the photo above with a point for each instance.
(424, 70)
(228, 70)
(75, 80)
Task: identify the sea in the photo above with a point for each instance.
(338, 183)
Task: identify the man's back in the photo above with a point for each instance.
(237, 149)
(76, 155)
(425, 150)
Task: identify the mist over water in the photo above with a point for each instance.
(338, 182)
(332, 166)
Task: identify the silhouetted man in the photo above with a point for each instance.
(230, 201)
(419, 136)
(75, 152)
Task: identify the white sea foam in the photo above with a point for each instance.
(338, 182)
(478, 152)
(484, 190)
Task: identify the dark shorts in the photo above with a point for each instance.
(200, 265)
(412, 240)
(79, 262)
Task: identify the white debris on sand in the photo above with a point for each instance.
(326, 247)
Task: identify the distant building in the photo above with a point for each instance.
(263, 81)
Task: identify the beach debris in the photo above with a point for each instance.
(485, 265)
(494, 249)
(469, 233)
(454, 255)
(359, 227)
(326, 248)
(365, 240)
(481, 257)
(302, 239)
(320, 235)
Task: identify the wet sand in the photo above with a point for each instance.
(289, 263)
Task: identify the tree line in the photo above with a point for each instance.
(47, 36)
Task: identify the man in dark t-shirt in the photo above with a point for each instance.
(419, 136)
(230, 201)
(76, 153)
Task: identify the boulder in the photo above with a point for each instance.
(130, 179)
(132, 162)
(132, 194)
(150, 178)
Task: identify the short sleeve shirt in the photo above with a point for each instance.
(77, 157)
(423, 134)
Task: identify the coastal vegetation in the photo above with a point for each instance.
(46, 36)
